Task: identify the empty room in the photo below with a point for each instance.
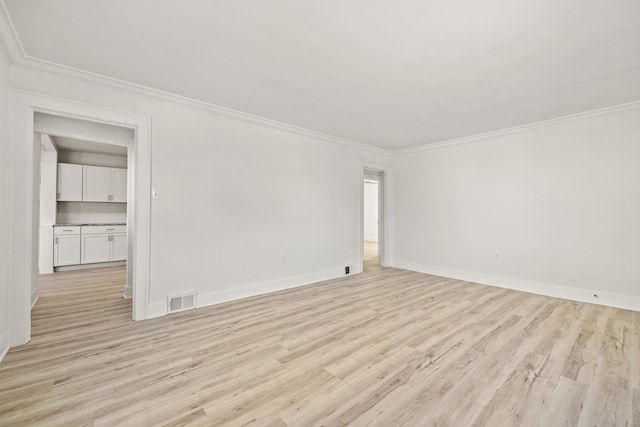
(295, 213)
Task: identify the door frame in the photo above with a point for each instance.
(23, 235)
(383, 214)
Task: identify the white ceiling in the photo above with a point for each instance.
(390, 74)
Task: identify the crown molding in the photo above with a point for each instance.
(507, 131)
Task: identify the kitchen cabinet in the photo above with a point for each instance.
(66, 246)
(102, 184)
(119, 247)
(69, 188)
(119, 185)
(103, 243)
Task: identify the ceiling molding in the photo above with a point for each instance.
(516, 129)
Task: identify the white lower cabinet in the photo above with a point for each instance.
(66, 245)
(89, 244)
(119, 245)
(95, 248)
(103, 243)
(66, 250)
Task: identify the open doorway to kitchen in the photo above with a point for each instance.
(373, 219)
(25, 200)
(82, 247)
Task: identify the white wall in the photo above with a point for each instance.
(82, 213)
(553, 209)
(371, 211)
(5, 173)
(234, 195)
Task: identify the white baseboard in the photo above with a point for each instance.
(4, 344)
(157, 309)
(85, 266)
(34, 297)
(628, 302)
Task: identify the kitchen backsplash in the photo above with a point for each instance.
(82, 212)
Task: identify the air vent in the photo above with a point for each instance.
(182, 302)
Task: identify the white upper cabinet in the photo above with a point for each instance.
(69, 183)
(119, 185)
(102, 184)
(96, 184)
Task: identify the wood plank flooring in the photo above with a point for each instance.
(387, 347)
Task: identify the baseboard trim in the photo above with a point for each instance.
(206, 299)
(4, 345)
(85, 266)
(34, 297)
(628, 302)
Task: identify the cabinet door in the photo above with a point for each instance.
(69, 183)
(119, 247)
(66, 250)
(95, 248)
(119, 185)
(96, 184)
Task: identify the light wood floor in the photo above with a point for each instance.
(371, 257)
(387, 347)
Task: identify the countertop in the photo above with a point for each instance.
(90, 223)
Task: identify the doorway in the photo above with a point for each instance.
(373, 219)
(24, 218)
(83, 212)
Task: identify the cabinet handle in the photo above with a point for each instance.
(110, 229)
(67, 230)
(56, 240)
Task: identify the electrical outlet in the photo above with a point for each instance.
(496, 257)
(347, 270)
(283, 258)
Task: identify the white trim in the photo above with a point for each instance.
(628, 302)
(515, 129)
(90, 266)
(24, 106)
(4, 345)
(158, 309)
